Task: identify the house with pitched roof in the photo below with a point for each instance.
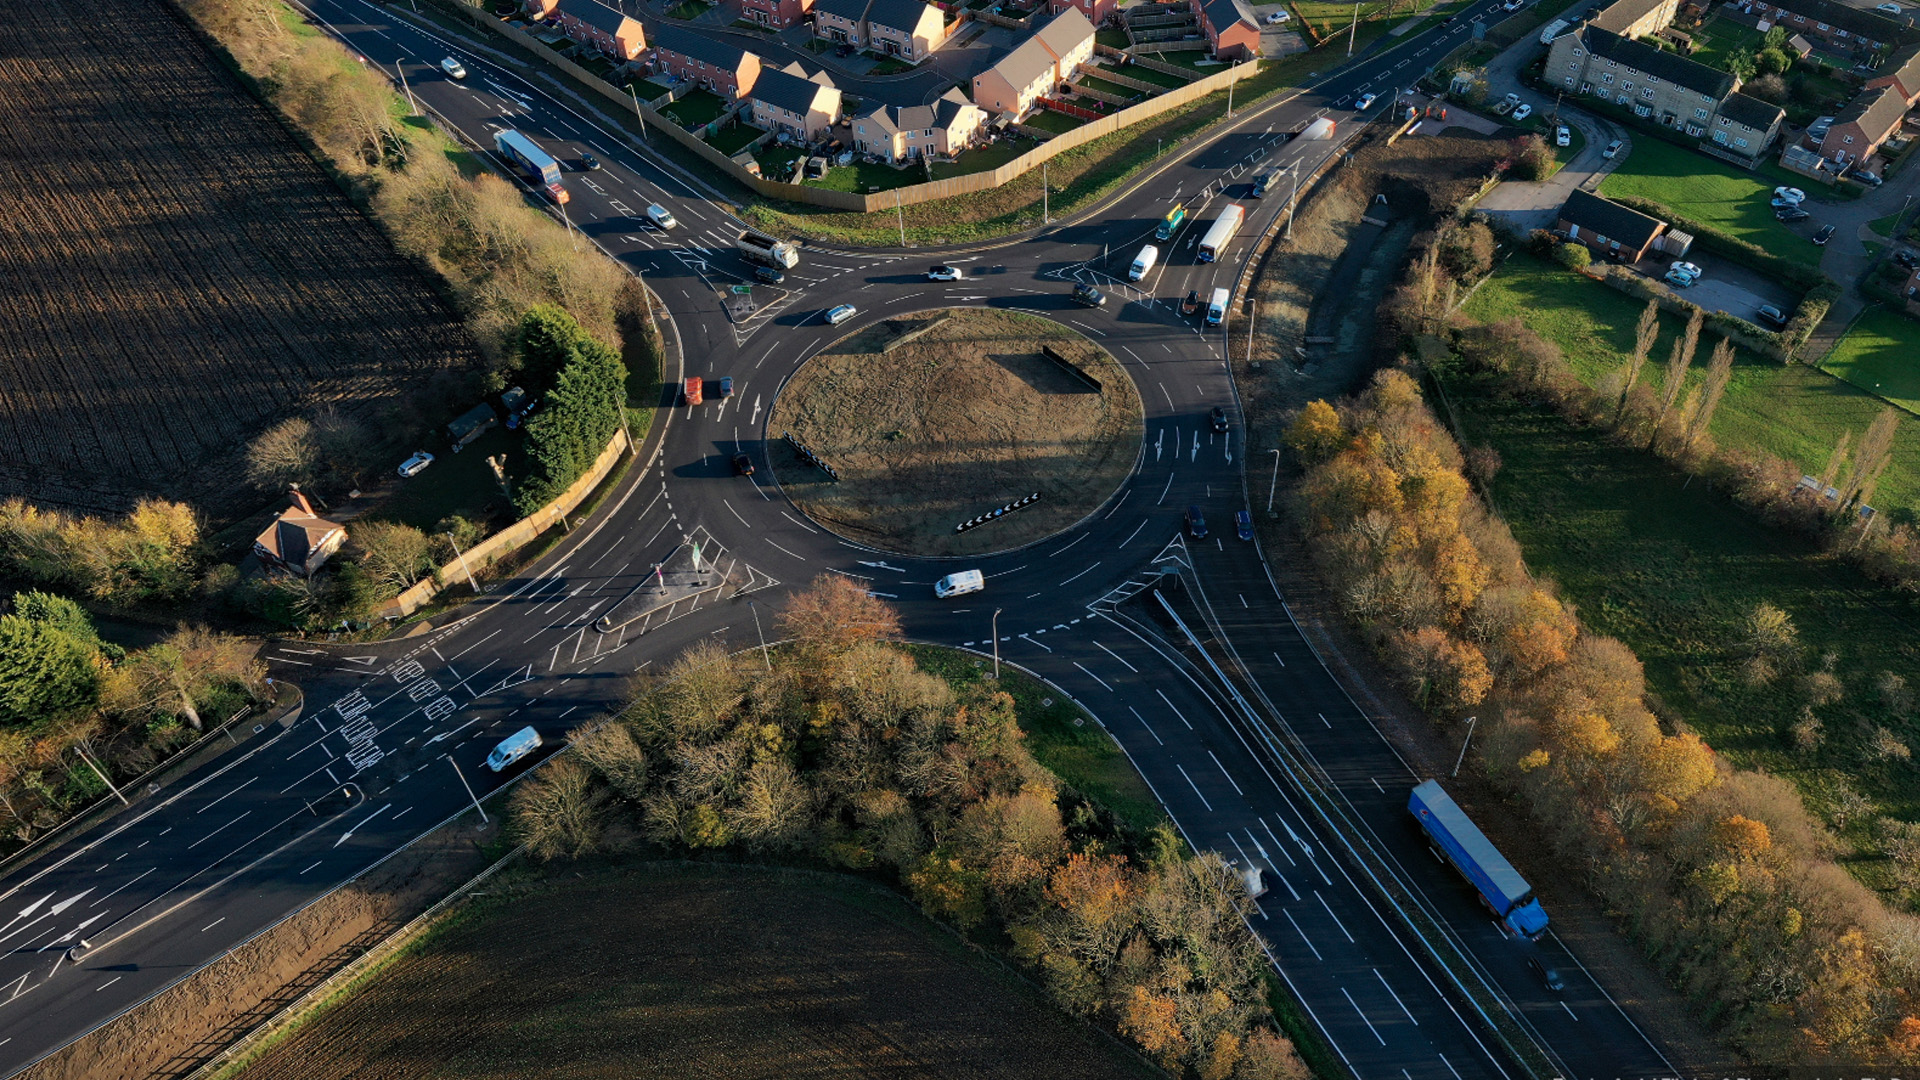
(778, 14)
(1042, 62)
(900, 134)
(299, 540)
(1096, 11)
(1655, 84)
(1635, 18)
(727, 70)
(597, 26)
(908, 29)
(1609, 229)
(789, 100)
(1830, 26)
(1232, 29)
(1868, 120)
(1901, 71)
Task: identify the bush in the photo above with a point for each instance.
(1573, 256)
(1532, 158)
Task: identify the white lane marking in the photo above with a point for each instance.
(1116, 656)
(216, 802)
(1363, 1016)
(1092, 676)
(1225, 773)
(1144, 724)
(1331, 915)
(1396, 997)
(1176, 712)
(218, 831)
(1195, 787)
(1303, 935)
(802, 558)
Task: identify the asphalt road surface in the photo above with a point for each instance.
(393, 736)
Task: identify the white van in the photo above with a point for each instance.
(661, 217)
(959, 584)
(1143, 263)
(1217, 307)
(513, 748)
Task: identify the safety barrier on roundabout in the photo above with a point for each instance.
(1017, 504)
(806, 454)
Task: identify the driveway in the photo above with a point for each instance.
(1846, 260)
(1728, 286)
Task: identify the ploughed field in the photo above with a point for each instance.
(674, 971)
(178, 273)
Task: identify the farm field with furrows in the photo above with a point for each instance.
(676, 970)
(179, 272)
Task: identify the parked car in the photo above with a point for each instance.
(1825, 234)
(1088, 296)
(1522, 111)
(768, 275)
(1688, 268)
(1279, 17)
(838, 315)
(1218, 418)
(1790, 194)
(1770, 314)
(1548, 976)
(1866, 178)
(416, 464)
(943, 273)
(1365, 102)
(589, 163)
(742, 465)
(453, 68)
(1680, 279)
(1243, 524)
(1890, 9)
(1785, 204)
(1791, 213)
(1906, 258)
(1562, 136)
(1613, 150)
(1196, 523)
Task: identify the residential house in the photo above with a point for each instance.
(1635, 18)
(786, 99)
(540, 10)
(1867, 121)
(1829, 25)
(1096, 11)
(1673, 90)
(597, 26)
(727, 70)
(1232, 29)
(908, 29)
(1037, 66)
(778, 14)
(299, 539)
(1902, 71)
(1609, 229)
(902, 133)
(1745, 125)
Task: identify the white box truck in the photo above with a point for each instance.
(513, 748)
(1553, 30)
(960, 584)
(1143, 263)
(1222, 231)
(1217, 307)
(761, 248)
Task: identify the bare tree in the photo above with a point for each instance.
(284, 454)
(1876, 452)
(1719, 371)
(1644, 335)
(1678, 361)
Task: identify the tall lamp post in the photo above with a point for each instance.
(996, 644)
(1274, 485)
(1464, 743)
(762, 635)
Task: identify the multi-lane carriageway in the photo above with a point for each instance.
(391, 737)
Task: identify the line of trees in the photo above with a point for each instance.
(840, 749)
(583, 395)
(1721, 875)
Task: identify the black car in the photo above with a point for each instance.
(1548, 975)
(768, 275)
(1260, 184)
(1243, 524)
(1907, 259)
(1825, 234)
(1791, 213)
(1218, 418)
(1089, 296)
(742, 465)
(1196, 523)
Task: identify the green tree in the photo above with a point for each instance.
(1573, 256)
(45, 672)
(583, 408)
(1772, 61)
(546, 344)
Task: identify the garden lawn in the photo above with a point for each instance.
(649, 91)
(980, 159)
(1125, 93)
(1058, 123)
(1673, 570)
(1719, 38)
(689, 9)
(698, 108)
(861, 178)
(1146, 74)
(455, 484)
(1881, 354)
(1791, 411)
(731, 141)
(1705, 190)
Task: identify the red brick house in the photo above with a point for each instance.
(1902, 72)
(727, 70)
(1607, 228)
(778, 14)
(597, 26)
(1829, 25)
(1232, 29)
(1096, 11)
(1864, 124)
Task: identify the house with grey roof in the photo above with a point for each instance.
(787, 99)
(908, 29)
(1608, 228)
(899, 134)
(1661, 87)
(709, 63)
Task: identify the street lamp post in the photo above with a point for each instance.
(1464, 743)
(411, 104)
(101, 774)
(464, 568)
(1273, 485)
(755, 608)
(996, 644)
(639, 116)
(1355, 32)
(1046, 210)
(1293, 190)
(469, 787)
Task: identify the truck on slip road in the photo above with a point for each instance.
(761, 248)
(533, 164)
(1171, 223)
(1222, 231)
(1460, 842)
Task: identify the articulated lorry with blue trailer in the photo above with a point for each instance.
(1460, 842)
(535, 166)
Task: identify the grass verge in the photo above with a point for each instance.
(1881, 354)
(1710, 192)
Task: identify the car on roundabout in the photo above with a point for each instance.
(742, 465)
(1088, 296)
(943, 273)
(837, 315)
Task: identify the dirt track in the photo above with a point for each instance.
(179, 272)
(955, 424)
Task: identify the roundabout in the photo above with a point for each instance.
(937, 418)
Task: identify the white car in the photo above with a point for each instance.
(1562, 137)
(943, 273)
(1365, 102)
(841, 314)
(453, 68)
(1279, 17)
(1613, 150)
(1790, 194)
(416, 464)
(1891, 9)
(1688, 269)
(1522, 112)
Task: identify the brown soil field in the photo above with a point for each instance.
(179, 272)
(674, 970)
(962, 421)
